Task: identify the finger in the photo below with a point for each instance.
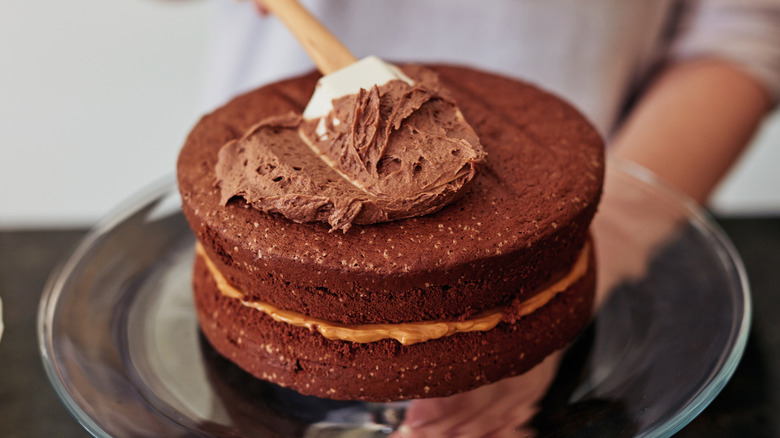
(261, 8)
(494, 408)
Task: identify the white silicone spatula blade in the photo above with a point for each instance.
(343, 73)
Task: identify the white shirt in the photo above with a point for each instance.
(593, 53)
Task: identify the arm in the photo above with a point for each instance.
(692, 123)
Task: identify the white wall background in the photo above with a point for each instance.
(97, 96)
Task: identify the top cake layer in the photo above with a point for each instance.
(520, 223)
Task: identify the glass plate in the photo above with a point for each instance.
(120, 343)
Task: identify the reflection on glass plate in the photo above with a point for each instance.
(121, 346)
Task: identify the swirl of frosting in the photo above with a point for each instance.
(391, 152)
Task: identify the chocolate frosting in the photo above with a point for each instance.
(392, 152)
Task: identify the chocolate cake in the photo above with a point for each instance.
(479, 289)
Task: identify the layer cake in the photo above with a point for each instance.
(425, 306)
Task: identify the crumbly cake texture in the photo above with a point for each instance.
(520, 225)
(385, 370)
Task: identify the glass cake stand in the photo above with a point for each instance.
(120, 342)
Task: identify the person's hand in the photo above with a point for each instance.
(260, 7)
(501, 409)
(632, 223)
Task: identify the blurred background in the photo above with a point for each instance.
(96, 98)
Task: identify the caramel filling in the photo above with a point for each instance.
(406, 333)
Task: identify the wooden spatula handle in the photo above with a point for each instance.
(327, 52)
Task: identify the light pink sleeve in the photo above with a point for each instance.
(745, 32)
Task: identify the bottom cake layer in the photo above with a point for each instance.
(385, 370)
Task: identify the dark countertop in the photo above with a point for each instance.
(29, 407)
